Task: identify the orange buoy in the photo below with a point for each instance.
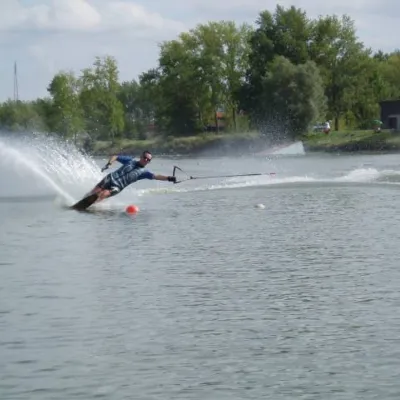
(132, 209)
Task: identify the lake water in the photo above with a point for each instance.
(204, 294)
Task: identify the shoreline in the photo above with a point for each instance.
(211, 145)
(353, 142)
(254, 143)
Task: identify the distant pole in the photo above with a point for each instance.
(16, 96)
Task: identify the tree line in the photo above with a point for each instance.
(279, 77)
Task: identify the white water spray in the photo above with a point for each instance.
(59, 166)
(293, 149)
(296, 148)
(10, 154)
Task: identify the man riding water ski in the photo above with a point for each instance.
(130, 172)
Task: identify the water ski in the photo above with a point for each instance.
(85, 202)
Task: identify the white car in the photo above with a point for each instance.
(319, 127)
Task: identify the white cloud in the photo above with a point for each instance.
(71, 14)
(45, 36)
(80, 15)
(123, 14)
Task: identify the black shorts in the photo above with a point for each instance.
(107, 184)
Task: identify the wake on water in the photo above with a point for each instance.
(60, 167)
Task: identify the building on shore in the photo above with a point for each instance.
(390, 114)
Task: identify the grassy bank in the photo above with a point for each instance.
(352, 141)
(252, 142)
(212, 144)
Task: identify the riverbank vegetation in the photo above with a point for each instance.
(223, 82)
(352, 141)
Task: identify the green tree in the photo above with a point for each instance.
(328, 41)
(340, 58)
(151, 98)
(129, 97)
(20, 116)
(389, 71)
(180, 91)
(233, 63)
(369, 87)
(65, 115)
(104, 112)
(201, 72)
(292, 99)
(285, 33)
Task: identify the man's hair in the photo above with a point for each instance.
(146, 152)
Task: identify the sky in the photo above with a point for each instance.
(48, 36)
